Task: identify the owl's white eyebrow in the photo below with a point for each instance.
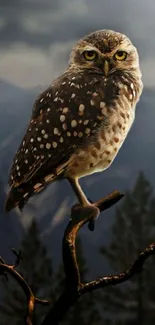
(88, 48)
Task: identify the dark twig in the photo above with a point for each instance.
(31, 299)
(18, 257)
(74, 288)
(121, 277)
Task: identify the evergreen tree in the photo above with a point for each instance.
(36, 269)
(133, 230)
(85, 310)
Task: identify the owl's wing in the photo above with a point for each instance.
(62, 118)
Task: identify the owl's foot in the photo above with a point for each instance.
(91, 224)
(84, 202)
(88, 214)
(87, 209)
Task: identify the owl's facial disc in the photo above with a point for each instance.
(106, 63)
(90, 57)
(105, 52)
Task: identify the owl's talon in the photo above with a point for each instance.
(91, 225)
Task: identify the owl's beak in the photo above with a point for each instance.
(106, 67)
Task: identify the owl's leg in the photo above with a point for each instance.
(78, 191)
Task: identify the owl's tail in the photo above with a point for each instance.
(17, 197)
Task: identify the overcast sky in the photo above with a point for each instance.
(36, 36)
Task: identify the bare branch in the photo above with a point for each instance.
(136, 268)
(80, 216)
(72, 291)
(18, 257)
(31, 299)
(74, 288)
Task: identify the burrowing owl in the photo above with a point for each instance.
(80, 122)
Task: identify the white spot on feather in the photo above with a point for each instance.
(48, 145)
(54, 144)
(62, 118)
(43, 131)
(73, 123)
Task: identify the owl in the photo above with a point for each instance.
(79, 123)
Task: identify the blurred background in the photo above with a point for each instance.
(36, 37)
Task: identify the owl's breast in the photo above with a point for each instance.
(99, 151)
(103, 111)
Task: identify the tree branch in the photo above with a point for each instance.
(79, 217)
(136, 268)
(74, 288)
(31, 299)
(72, 291)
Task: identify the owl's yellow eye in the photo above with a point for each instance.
(120, 55)
(90, 55)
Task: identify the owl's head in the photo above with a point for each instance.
(105, 51)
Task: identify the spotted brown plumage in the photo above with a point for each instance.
(79, 123)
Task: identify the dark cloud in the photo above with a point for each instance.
(43, 24)
(67, 26)
(40, 23)
(14, 5)
(18, 17)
